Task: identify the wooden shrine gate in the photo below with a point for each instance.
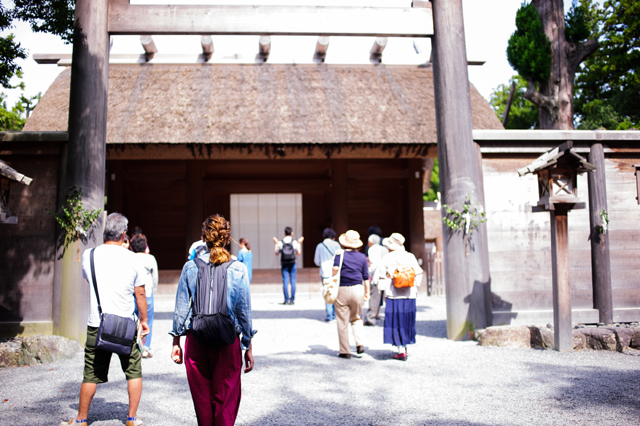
(459, 156)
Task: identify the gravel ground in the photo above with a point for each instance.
(299, 380)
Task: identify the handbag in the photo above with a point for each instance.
(331, 285)
(116, 333)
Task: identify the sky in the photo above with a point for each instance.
(488, 26)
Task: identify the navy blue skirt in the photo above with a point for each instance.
(400, 322)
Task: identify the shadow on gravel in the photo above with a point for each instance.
(592, 386)
(432, 328)
(315, 314)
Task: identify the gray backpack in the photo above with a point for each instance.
(211, 325)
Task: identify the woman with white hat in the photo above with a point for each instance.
(354, 290)
(399, 275)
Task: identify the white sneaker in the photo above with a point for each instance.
(134, 421)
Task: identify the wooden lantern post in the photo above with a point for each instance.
(557, 172)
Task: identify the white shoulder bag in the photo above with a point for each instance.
(331, 285)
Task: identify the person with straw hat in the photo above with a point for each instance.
(400, 312)
(354, 290)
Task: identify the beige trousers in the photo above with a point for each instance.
(348, 310)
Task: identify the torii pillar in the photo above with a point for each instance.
(464, 276)
(85, 156)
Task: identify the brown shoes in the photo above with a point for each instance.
(360, 349)
(345, 356)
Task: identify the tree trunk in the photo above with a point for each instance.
(555, 96)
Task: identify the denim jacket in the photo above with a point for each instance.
(238, 299)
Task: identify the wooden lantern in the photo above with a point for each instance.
(557, 172)
(7, 175)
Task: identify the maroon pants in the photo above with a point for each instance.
(214, 381)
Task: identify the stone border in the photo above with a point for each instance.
(611, 338)
(38, 349)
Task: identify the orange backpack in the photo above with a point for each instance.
(404, 276)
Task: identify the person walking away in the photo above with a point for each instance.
(120, 287)
(288, 249)
(354, 290)
(376, 253)
(245, 256)
(197, 249)
(400, 313)
(150, 278)
(214, 368)
(325, 251)
(373, 230)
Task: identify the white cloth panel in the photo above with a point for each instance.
(260, 217)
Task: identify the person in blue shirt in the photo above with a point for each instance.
(324, 259)
(245, 256)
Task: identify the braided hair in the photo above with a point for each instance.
(216, 233)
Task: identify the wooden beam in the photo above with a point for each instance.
(459, 177)
(149, 46)
(207, 47)
(126, 19)
(600, 260)
(264, 45)
(86, 152)
(322, 45)
(562, 328)
(339, 196)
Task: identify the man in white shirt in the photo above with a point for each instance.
(375, 255)
(288, 249)
(324, 259)
(120, 289)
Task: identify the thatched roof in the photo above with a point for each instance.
(263, 103)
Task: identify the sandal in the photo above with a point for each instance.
(147, 354)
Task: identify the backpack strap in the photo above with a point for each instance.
(329, 250)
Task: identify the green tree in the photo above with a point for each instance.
(523, 114)
(10, 119)
(434, 186)
(50, 16)
(608, 86)
(548, 57)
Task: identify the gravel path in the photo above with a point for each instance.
(299, 380)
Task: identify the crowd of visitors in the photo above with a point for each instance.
(213, 307)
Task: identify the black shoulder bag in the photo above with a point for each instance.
(115, 334)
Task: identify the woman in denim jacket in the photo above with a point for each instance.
(214, 373)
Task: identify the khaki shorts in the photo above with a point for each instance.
(96, 361)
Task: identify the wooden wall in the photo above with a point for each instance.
(27, 249)
(152, 195)
(519, 242)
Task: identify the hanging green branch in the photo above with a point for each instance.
(74, 219)
(466, 220)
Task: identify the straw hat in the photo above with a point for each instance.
(394, 242)
(350, 239)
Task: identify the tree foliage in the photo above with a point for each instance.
(15, 118)
(50, 16)
(529, 49)
(523, 114)
(434, 187)
(608, 85)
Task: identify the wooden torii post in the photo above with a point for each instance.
(96, 20)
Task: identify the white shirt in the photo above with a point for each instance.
(149, 273)
(388, 266)
(118, 272)
(324, 256)
(376, 253)
(288, 239)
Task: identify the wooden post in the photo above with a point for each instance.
(483, 244)
(416, 212)
(562, 328)
(207, 47)
(458, 168)
(600, 262)
(149, 47)
(194, 206)
(86, 152)
(264, 47)
(322, 45)
(339, 196)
